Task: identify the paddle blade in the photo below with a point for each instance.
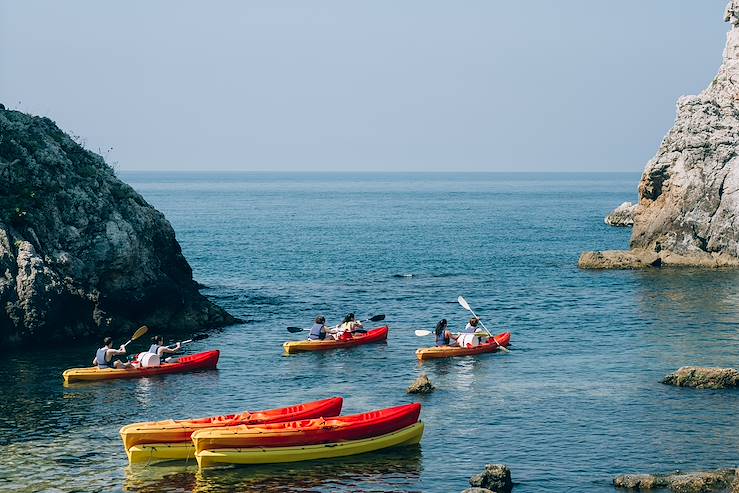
(377, 318)
(139, 332)
(423, 333)
(464, 303)
(294, 329)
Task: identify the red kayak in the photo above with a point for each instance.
(309, 431)
(201, 361)
(491, 345)
(375, 335)
(169, 431)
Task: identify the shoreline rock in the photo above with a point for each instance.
(689, 191)
(422, 385)
(622, 216)
(82, 254)
(696, 482)
(495, 478)
(703, 378)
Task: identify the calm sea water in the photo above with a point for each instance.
(576, 402)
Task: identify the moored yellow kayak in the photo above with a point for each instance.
(270, 455)
(161, 452)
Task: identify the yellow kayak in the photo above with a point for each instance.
(150, 453)
(271, 455)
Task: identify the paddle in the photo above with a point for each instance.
(139, 332)
(376, 318)
(198, 337)
(466, 306)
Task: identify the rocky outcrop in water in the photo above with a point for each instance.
(622, 216)
(697, 482)
(81, 253)
(689, 193)
(422, 385)
(703, 378)
(495, 478)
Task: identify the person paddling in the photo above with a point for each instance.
(319, 330)
(471, 327)
(444, 336)
(104, 356)
(157, 347)
(348, 326)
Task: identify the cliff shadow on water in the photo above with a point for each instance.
(81, 253)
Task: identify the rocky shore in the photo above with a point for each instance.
(81, 253)
(689, 192)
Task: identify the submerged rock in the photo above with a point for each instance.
(622, 216)
(477, 490)
(703, 378)
(422, 385)
(689, 192)
(495, 477)
(81, 253)
(696, 482)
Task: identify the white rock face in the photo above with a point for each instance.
(622, 216)
(689, 192)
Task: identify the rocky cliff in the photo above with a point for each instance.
(689, 192)
(81, 253)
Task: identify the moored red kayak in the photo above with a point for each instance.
(310, 431)
(171, 431)
(271, 455)
(450, 351)
(194, 362)
(375, 335)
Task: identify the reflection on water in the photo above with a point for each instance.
(393, 470)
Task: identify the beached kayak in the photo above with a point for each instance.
(449, 351)
(375, 335)
(269, 455)
(309, 431)
(171, 431)
(194, 362)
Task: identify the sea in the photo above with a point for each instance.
(577, 401)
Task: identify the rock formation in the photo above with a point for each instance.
(422, 385)
(81, 253)
(495, 478)
(697, 482)
(703, 378)
(689, 192)
(622, 216)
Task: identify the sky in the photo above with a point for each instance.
(375, 85)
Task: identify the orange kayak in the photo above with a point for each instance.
(375, 335)
(171, 431)
(450, 351)
(309, 431)
(194, 362)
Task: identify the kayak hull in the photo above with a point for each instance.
(271, 455)
(309, 432)
(194, 362)
(451, 351)
(375, 335)
(171, 431)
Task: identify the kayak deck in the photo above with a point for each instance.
(374, 335)
(270, 455)
(451, 351)
(195, 362)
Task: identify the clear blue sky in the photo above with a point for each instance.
(558, 85)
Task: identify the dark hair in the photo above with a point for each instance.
(348, 318)
(107, 340)
(320, 319)
(441, 326)
(474, 321)
(156, 339)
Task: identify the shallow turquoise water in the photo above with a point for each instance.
(577, 401)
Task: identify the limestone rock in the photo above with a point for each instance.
(703, 378)
(617, 259)
(477, 490)
(697, 482)
(622, 216)
(688, 210)
(495, 477)
(81, 253)
(422, 385)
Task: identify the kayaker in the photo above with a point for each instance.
(319, 330)
(444, 336)
(348, 326)
(104, 356)
(157, 347)
(471, 327)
